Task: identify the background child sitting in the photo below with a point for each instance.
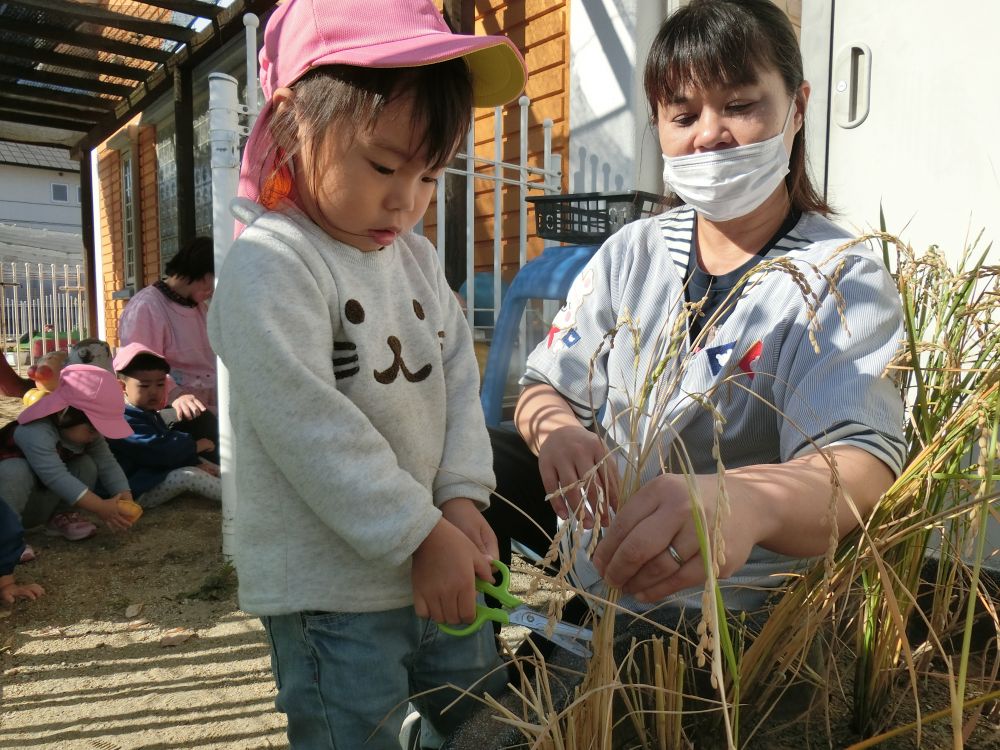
(12, 546)
(160, 463)
(56, 451)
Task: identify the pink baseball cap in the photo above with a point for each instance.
(125, 355)
(91, 389)
(305, 34)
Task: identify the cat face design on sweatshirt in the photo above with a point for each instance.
(345, 360)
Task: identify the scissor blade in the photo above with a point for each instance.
(563, 634)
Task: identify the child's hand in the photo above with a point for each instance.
(204, 445)
(464, 514)
(209, 468)
(107, 510)
(11, 591)
(445, 567)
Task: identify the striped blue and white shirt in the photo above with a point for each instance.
(786, 376)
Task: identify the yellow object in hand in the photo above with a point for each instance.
(131, 509)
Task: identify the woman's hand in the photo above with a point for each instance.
(565, 457)
(204, 445)
(187, 406)
(635, 555)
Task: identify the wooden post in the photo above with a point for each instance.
(460, 16)
(95, 294)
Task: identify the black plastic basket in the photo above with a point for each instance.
(589, 218)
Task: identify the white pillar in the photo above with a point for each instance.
(611, 146)
(223, 123)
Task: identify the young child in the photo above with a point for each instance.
(160, 463)
(57, 453)
(363, 459)
(12, 548)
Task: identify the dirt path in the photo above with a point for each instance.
(87, 665)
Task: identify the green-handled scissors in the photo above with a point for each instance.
(570, 637)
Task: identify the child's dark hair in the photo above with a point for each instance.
(70, 417)
(710, 43)
(327, 96)
(145, 362)
(194, 261)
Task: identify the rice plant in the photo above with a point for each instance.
(948, 374)
(863, 593)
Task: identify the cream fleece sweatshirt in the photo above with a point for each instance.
(355, 411)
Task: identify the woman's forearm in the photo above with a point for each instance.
(541, 411)
(793, 499)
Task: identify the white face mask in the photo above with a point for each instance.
(732, 182)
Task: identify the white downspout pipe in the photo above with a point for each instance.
(224, 112)
(223, 123)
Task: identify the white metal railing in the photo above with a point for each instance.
(519, 176)
(43, 301)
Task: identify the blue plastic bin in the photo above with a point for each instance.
(549, 276)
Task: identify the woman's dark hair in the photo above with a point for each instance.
(145, 362)
(194, 261)
(441, 96)
(70, 417)
(712, 43)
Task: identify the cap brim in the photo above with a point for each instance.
(498, 72)
(111, 428)
(120, 364)
(48, 404)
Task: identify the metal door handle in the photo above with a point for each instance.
(852, 76)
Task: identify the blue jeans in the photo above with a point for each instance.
(344, 678)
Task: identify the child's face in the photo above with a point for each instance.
(146, 389)
(81, 434)
(369, 188)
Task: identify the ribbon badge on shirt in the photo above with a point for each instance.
(750, 359)
(718, 356)
(564, 322)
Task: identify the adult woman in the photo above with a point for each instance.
(169, 317)
(794, 380)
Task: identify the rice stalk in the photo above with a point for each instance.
(948, 376)
(650, 419)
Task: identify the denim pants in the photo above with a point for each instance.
(32, 500)
(344, 678)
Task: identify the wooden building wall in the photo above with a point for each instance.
(109, 166)
(110, 193)
(540, 29)
(113, 279)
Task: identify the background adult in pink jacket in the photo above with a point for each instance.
(170, 317)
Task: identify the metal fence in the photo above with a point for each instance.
(502, 176)
(44, 309)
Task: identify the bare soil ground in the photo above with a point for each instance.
(89, 665)
(139, 643)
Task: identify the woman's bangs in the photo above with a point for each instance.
(708, 63)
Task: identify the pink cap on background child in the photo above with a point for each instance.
(306, 34)
(91, 389)
(125, 355)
